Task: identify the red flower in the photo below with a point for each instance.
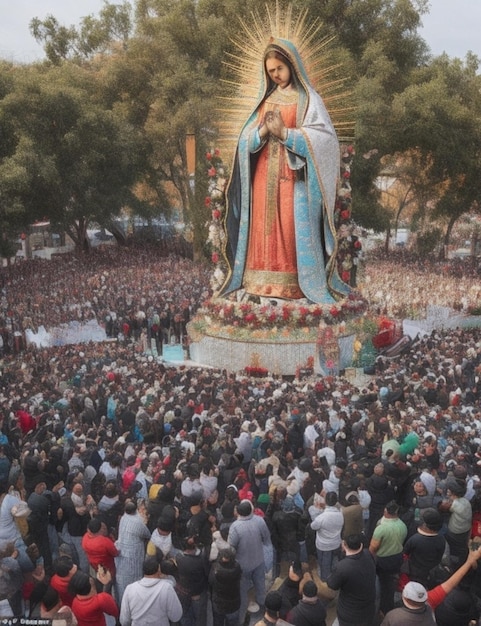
(350, 149)
(208, 156)
(208, 201)
(345, 276)
(217, 152)
(250, 317)
(212, 171)
(215, 214)
(334, 311)
(346, 174)
(215, 257)
(346, 214)
(357, 244)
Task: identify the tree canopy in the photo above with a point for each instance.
(101, 124)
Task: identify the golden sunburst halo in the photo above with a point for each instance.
(240, 93)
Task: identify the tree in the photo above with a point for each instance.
(94, 35)
(440, 116)
(73, 161)
(160, 72)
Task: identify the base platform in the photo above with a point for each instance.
(277, 358)
(234, 356)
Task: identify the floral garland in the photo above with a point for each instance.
(349, 246)
(223, 317)
(215, 200)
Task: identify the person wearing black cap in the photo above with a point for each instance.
(425, 549)
(310, 611)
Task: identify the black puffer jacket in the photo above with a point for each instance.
(225, 582)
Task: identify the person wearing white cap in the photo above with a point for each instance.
(415, 609)
(419, 604)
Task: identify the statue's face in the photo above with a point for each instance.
(279, 72)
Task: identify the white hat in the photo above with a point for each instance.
(415, 592)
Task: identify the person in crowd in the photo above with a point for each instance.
(284, 527)
(151, 600)
(328, 526)
(192, 584)
(273, 604)
(309, 611)
(13, 518)
(99, 547)
(74, 514)
(52, 608)
(387, 547)
(352, 514)
(460, 518)
(418, 604)
(131, 545)
(63, 569)
(40, 503)
(89, 606)
(224, 578)
(355, 578)
(248, 535)
(424, 550)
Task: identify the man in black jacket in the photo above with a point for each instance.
(224, 578)
(310, 611)
(355, 578)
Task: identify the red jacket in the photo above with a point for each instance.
(100, 550)
(89, 610)
(25, 421)
(61, 586)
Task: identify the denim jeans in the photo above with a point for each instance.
(225, 619)
(254, 578)
(326, 560)
(194, 610)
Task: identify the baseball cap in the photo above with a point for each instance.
(415, 592)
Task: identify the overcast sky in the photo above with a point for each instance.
(452, 25)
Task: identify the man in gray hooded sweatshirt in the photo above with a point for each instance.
(151, 601)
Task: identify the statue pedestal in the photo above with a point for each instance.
(325, 355)
(278, 358)
(280, 339)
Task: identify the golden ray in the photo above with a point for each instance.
(245, 64)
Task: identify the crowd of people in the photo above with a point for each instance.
(125, 290)
(397, 284)
(141, 492)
